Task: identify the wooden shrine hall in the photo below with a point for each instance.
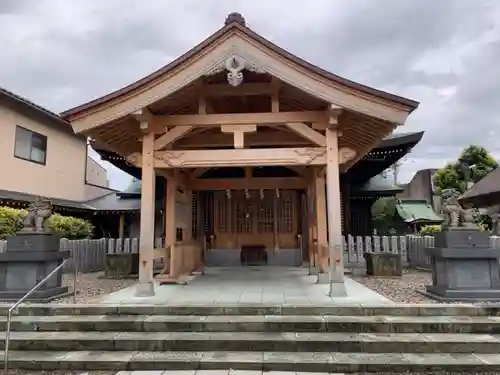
(249, 135)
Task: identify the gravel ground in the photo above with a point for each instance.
(91, 285)
(404, 289)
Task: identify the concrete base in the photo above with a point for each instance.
(39, 296)
(313, 270)
(251, 285)
(474, 295)
(323, 278)
(337, 290)
(145, 289)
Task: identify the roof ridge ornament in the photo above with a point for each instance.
(234, 64)
(235, 17)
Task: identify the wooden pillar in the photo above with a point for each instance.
(321, 225)
(311, 222)
(188, 228)
(147, 220)
(170, 228)
(337, 287)
(121, 226)
(276, 238)
(189, 214)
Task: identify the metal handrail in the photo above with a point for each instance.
(23, 298)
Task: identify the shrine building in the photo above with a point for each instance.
(256, 155)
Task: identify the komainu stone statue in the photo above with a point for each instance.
(453, 214)
(494, 213)
(39, 211)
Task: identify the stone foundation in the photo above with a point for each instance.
(383, 264)
(28, 259)
(465, 268)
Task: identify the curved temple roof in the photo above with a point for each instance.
(236, 24)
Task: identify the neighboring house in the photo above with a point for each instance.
(41, 155)
(421, 187)
(484, 193)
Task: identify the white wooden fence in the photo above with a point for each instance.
(90, 254)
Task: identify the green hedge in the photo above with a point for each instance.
(429, 230)
(68, 227)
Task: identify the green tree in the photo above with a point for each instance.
(475, 161)
(383, 211)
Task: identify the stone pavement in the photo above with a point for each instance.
(249, 285)
(220, 372)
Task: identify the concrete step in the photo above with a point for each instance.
(255, 341)
(258, 309)
(266, 361)
(257, 323)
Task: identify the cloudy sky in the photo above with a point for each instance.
(445, 54)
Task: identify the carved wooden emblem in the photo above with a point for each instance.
(346, 154)
(234, 64)
(310, 154)
(172, 159)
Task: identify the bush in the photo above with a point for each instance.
(66, 226)
(429, 230)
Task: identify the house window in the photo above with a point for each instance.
(30, 146)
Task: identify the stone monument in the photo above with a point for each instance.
(31, 254)
(464, 266)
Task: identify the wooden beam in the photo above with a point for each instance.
(275, 97)
(171, 136)
(270, 137)
(253, 183)
(267, 118)
(246, 89)
(308, 133)
(334, 112)
(144, 116)
(233, 158)
(238, 133)
(182, 180)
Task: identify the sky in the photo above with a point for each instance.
(444, 54)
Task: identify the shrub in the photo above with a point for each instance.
(71, 227)
(66, 226)
(429, 230)
(10, 221)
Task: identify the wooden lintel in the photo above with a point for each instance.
(267, 118)
(245, 89)
(234, 158)
(171, 136)
(253, 183)
(308, 133)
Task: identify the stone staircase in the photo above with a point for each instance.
(338, 339)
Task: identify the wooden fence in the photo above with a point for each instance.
(90, 254)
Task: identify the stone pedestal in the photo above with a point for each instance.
(464, 267)
(121, 265)
(383, 264)
(28, 259)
